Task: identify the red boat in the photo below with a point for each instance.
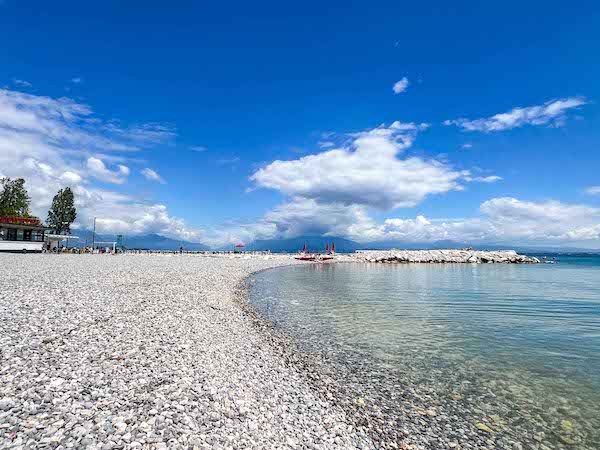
(305, 258)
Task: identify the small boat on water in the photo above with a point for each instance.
(305, 258)
(546, 261)
(316, 257)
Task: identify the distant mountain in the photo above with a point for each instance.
(158, 242)
(143, 241)
(313, 243)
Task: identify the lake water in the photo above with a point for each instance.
(513, 347)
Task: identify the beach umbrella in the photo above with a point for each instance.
(239, 245)
(333, 246)
(304, 248)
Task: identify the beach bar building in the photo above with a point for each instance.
(21, 234)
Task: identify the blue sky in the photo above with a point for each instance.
(118, 98)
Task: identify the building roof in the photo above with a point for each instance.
(22, 222)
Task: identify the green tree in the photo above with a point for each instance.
(14, 200)
(62, 213)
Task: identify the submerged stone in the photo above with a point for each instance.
(483, 427)
(567, 426)
(567, 440)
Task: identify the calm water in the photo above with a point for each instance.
(513, 346)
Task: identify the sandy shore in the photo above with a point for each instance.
(152, 352)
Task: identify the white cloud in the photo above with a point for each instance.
(77, 80)
(98, 169)
(400, 86)
(139, 218)
(308, 217)
(367, 172)
(21, 83)
(57, 142)
(143, 134)
(467, 145)
(332, 193)
(550, 113)
(198, 148)
(507, 220)
(550, 220)
(488, 179)
(593, 190)
(69, 125)
(326, 144)
(152, 175)
(71, 177)
(293, 218)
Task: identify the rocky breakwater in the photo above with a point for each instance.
(444, 256)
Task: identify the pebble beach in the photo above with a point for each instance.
(163, 351)
(151, 352)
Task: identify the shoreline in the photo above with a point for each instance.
(321, 374)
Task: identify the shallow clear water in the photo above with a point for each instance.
(517, 343)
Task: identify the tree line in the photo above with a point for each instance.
(15, 201)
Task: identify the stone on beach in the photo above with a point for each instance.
(107, 352)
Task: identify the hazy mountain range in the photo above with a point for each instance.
(142, 241)
(313, 243)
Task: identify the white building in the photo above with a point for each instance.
(22, 235)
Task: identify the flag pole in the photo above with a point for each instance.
(94, 235)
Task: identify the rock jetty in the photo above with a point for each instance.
(444, 256)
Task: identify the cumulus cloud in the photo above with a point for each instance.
(308, 217)
(58, 142)
(367, 172)
(552, 113)
(198, 148)
(400, 86)
(506, 220)
(151, 175)
(71, 177)
(98, 169)
(467, 145)
(134, 218)
(295, 217)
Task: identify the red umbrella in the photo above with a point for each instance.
(333, 246)
(239, 245)
(304, 248)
